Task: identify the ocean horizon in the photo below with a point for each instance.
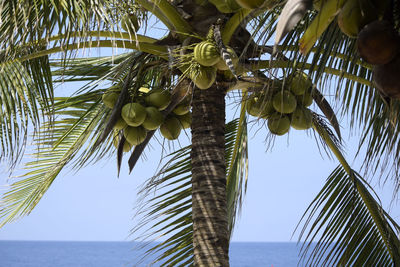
(126, 253)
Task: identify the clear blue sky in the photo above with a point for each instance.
(93, 204)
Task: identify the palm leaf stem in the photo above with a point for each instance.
(153, 49)
(232, 24)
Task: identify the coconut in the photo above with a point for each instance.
(250, 4)
(135, 135)
(378, 43)
(284, 102)
(159, 99)
(203, 77)
(278, 124)
(110, 98)
(120, 124)
(301, 118)
(133, 114)
(171, 128)
(300, 83)
(206, 53)
(221, 64)
(306, 99)
(129, 23)
(259, 106)
(182, 109)
(185, 120)
(352, 18)
(387, 78)
(153, 120)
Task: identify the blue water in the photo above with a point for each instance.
(114, 254)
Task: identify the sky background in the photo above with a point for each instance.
(93, 204)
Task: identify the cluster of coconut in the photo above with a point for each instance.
(378, 42)
(209, 60)
(284, 107)
(143, 115)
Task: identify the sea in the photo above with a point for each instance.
(115, 254)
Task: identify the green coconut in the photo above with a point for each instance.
(133, 114)
(352, 18)
(159, 99)
(171, 128)
(127, 146)
(258, 106)
(185, 120)
(203, 77)
(181, 109)
(130, 23)
(221, 64)
(278, 124)
(206, 53)
(226, 6)
(306, 99)
(250, 4)
(110, 98)
(154, 118)
(135, 135)
(284, 102)
(120, 124)
(301, 118)
(300, 83)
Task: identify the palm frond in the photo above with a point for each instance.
(168, 213)
(26, 96)
(351, 226)
(70, 132)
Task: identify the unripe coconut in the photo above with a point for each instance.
(129, 23)
(250, 4)
(135, 135)
(110, 98)
(120, 124)
(159, 99)
(154, 118)
(127, 146)
(181, 109)
(279, 124)
(134, 114)
(258, 106)
(387, 78)
(306, 99)
(352, 18)
(203, 77)
(378, 43)
(171, 128)
(301, 118)
(226, 6)
(206, 53)
(284, 102)
(300, 83)
(221, 64)
(185, 120)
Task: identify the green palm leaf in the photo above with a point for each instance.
(79, 121)
(353, 227)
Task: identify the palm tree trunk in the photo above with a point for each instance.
(209, 209)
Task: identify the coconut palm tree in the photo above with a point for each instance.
(211, 48)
